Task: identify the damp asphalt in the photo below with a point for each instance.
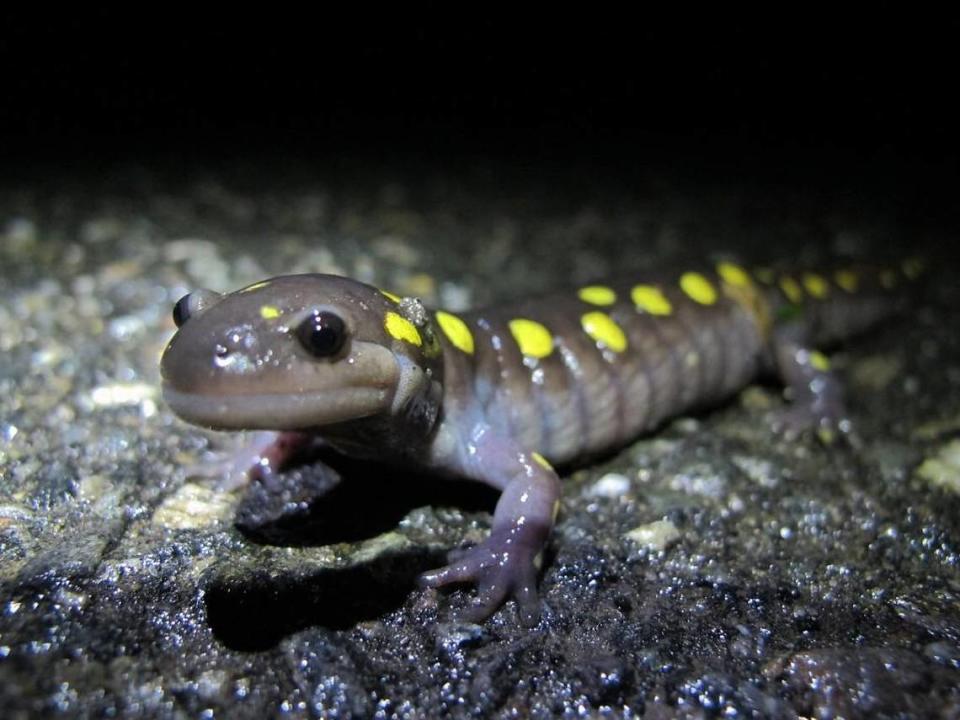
(713, 568)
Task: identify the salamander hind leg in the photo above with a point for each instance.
(816, 392)
(506, 564)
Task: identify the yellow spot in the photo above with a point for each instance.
(651, 300)
(256, 286)
(764, 275)
(456, 331)
(816, 285)
(541, 461)
(888, 279)
(752, 301)
(532, 337)
(847, 279)
(556, 509)
(604, 330)
(791, 288)
(597, 295)
(913, 267)
(270, 312)
(390, 296)
(819, 361)
(733, 274)
(401, 329)
(698, 288)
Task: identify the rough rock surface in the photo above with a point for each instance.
(709, 569)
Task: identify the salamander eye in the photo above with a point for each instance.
(322, 334)
(193, 303)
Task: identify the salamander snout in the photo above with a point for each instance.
(289, 353)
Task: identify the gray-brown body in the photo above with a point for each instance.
(582, 398)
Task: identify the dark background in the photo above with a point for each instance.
(804, 100)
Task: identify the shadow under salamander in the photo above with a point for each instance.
(328, 501)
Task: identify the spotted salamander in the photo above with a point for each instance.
(499, 395)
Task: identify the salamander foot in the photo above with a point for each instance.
(502, 566)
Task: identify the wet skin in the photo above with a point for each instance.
(499, 394)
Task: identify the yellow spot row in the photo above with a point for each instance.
(533, 338)
(536, 341)
(650, 299)
(810, 283)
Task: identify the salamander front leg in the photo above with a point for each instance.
(277, 453)
(261, 456)
(506, 564)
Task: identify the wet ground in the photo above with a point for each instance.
(711, 569)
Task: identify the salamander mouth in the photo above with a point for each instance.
(273, 411)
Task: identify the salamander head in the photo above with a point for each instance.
(297, 352)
